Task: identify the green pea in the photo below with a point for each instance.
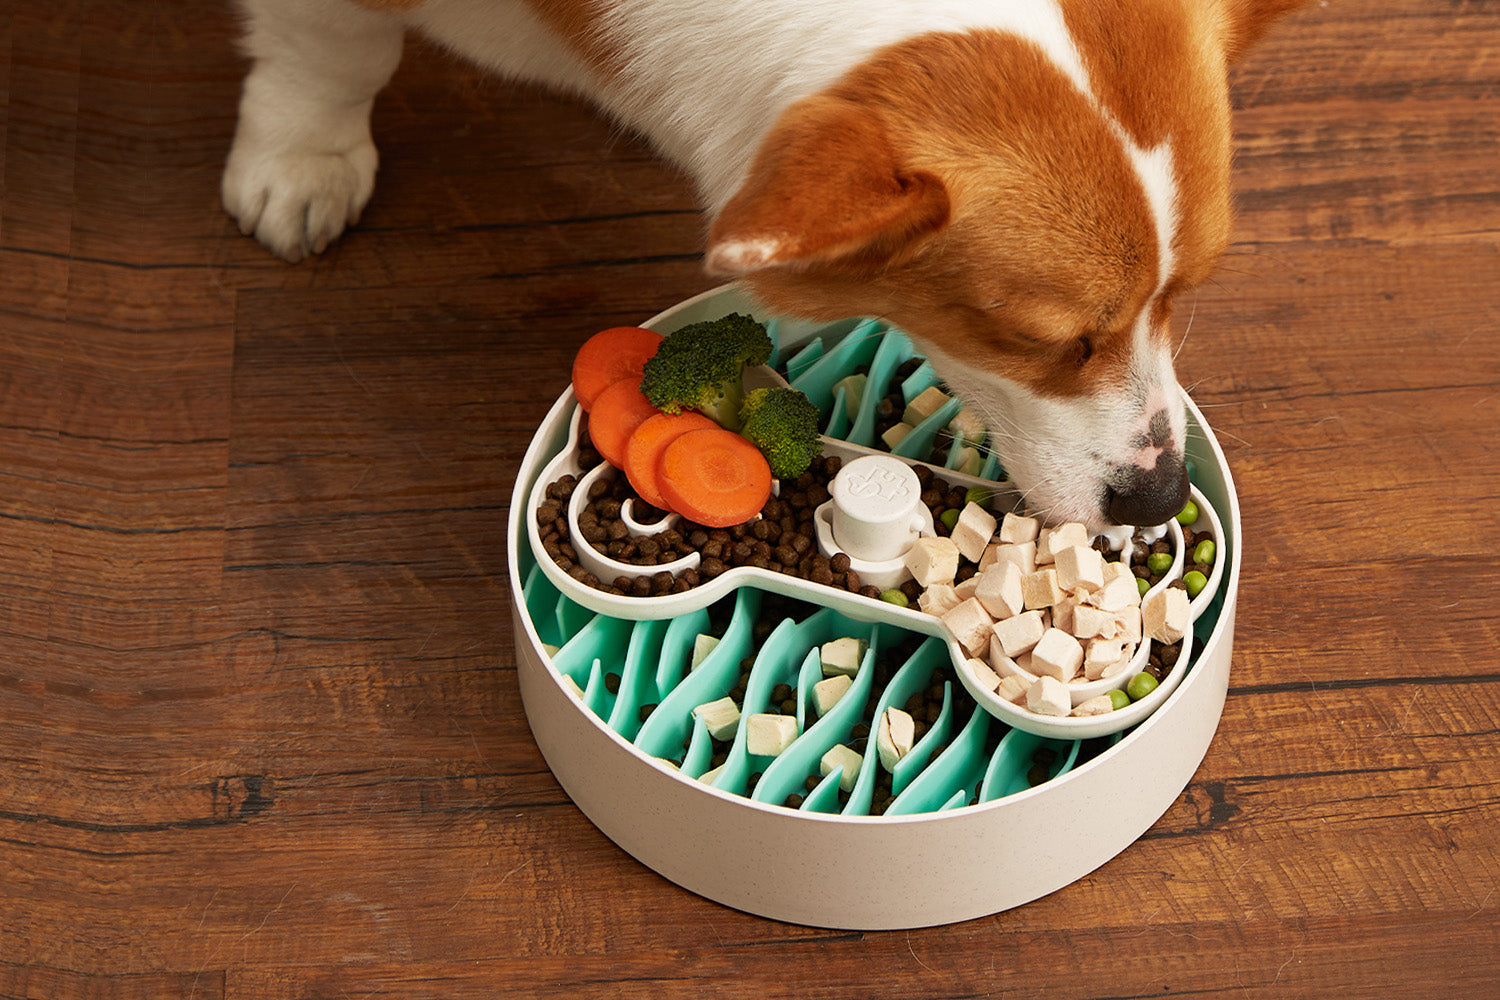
(979, 495)
(1159, 562)
(896, 597)
(1188, 514)
(1203, 552)
(1194, 582)
(1140, 685)
(1118, 699)
(949, 518)
(1142, 584)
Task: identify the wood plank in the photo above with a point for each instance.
(262, 735)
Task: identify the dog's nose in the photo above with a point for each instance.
(1148, 496)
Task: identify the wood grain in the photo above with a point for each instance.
(260, 733)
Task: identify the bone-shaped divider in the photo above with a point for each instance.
(870, 346)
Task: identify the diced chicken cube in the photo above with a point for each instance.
(1019, 633)
(721, 717)
(1164, 615)
(971, 625)
(972, 531)
(1097, 705)
(702, 646)
(983, 675)
(1062, 613)
(1090, 623)
(1100, 654)
(1012, 689)
(768, 734)
(894, 737)
(1040, 589)
(927, 402)
(842, 756)
(1058, 655)
(1080, 568)
(894, 433)
(999, 590)
(939, 599)
(1120, 591)
(1051, 541)
(932, 560)
(1019, 528)
(827, 692)
(1049, 696)
(1023, 554)
(842, 655)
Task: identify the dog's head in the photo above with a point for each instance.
(1030, 214)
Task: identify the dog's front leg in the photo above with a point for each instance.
(303, 164)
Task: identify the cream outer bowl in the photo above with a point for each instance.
(872, 872)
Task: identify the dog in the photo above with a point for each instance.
(1026, 187)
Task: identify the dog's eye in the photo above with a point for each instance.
(1083, 349)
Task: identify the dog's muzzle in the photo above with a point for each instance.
(1144, 497)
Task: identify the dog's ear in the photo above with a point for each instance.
(825, 190)
(1246, 20)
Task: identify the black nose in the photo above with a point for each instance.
(1146, 497)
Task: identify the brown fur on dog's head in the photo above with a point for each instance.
(962, 186)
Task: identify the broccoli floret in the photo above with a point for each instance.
(701, 367)
(783, 424)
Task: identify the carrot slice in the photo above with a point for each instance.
(644, 450)
(714, 477)
(617, 412)
(609, 356)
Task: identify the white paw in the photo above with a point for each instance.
(297, 201)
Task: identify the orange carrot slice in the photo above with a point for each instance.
(611, 355)
(617, 412)
(644, 450)
(714, 477)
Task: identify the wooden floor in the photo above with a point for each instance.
(260, 731)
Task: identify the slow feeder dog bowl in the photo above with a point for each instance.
(591, 664)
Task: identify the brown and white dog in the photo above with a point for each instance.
(1025, 186)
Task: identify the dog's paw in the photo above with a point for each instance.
(297, 201)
